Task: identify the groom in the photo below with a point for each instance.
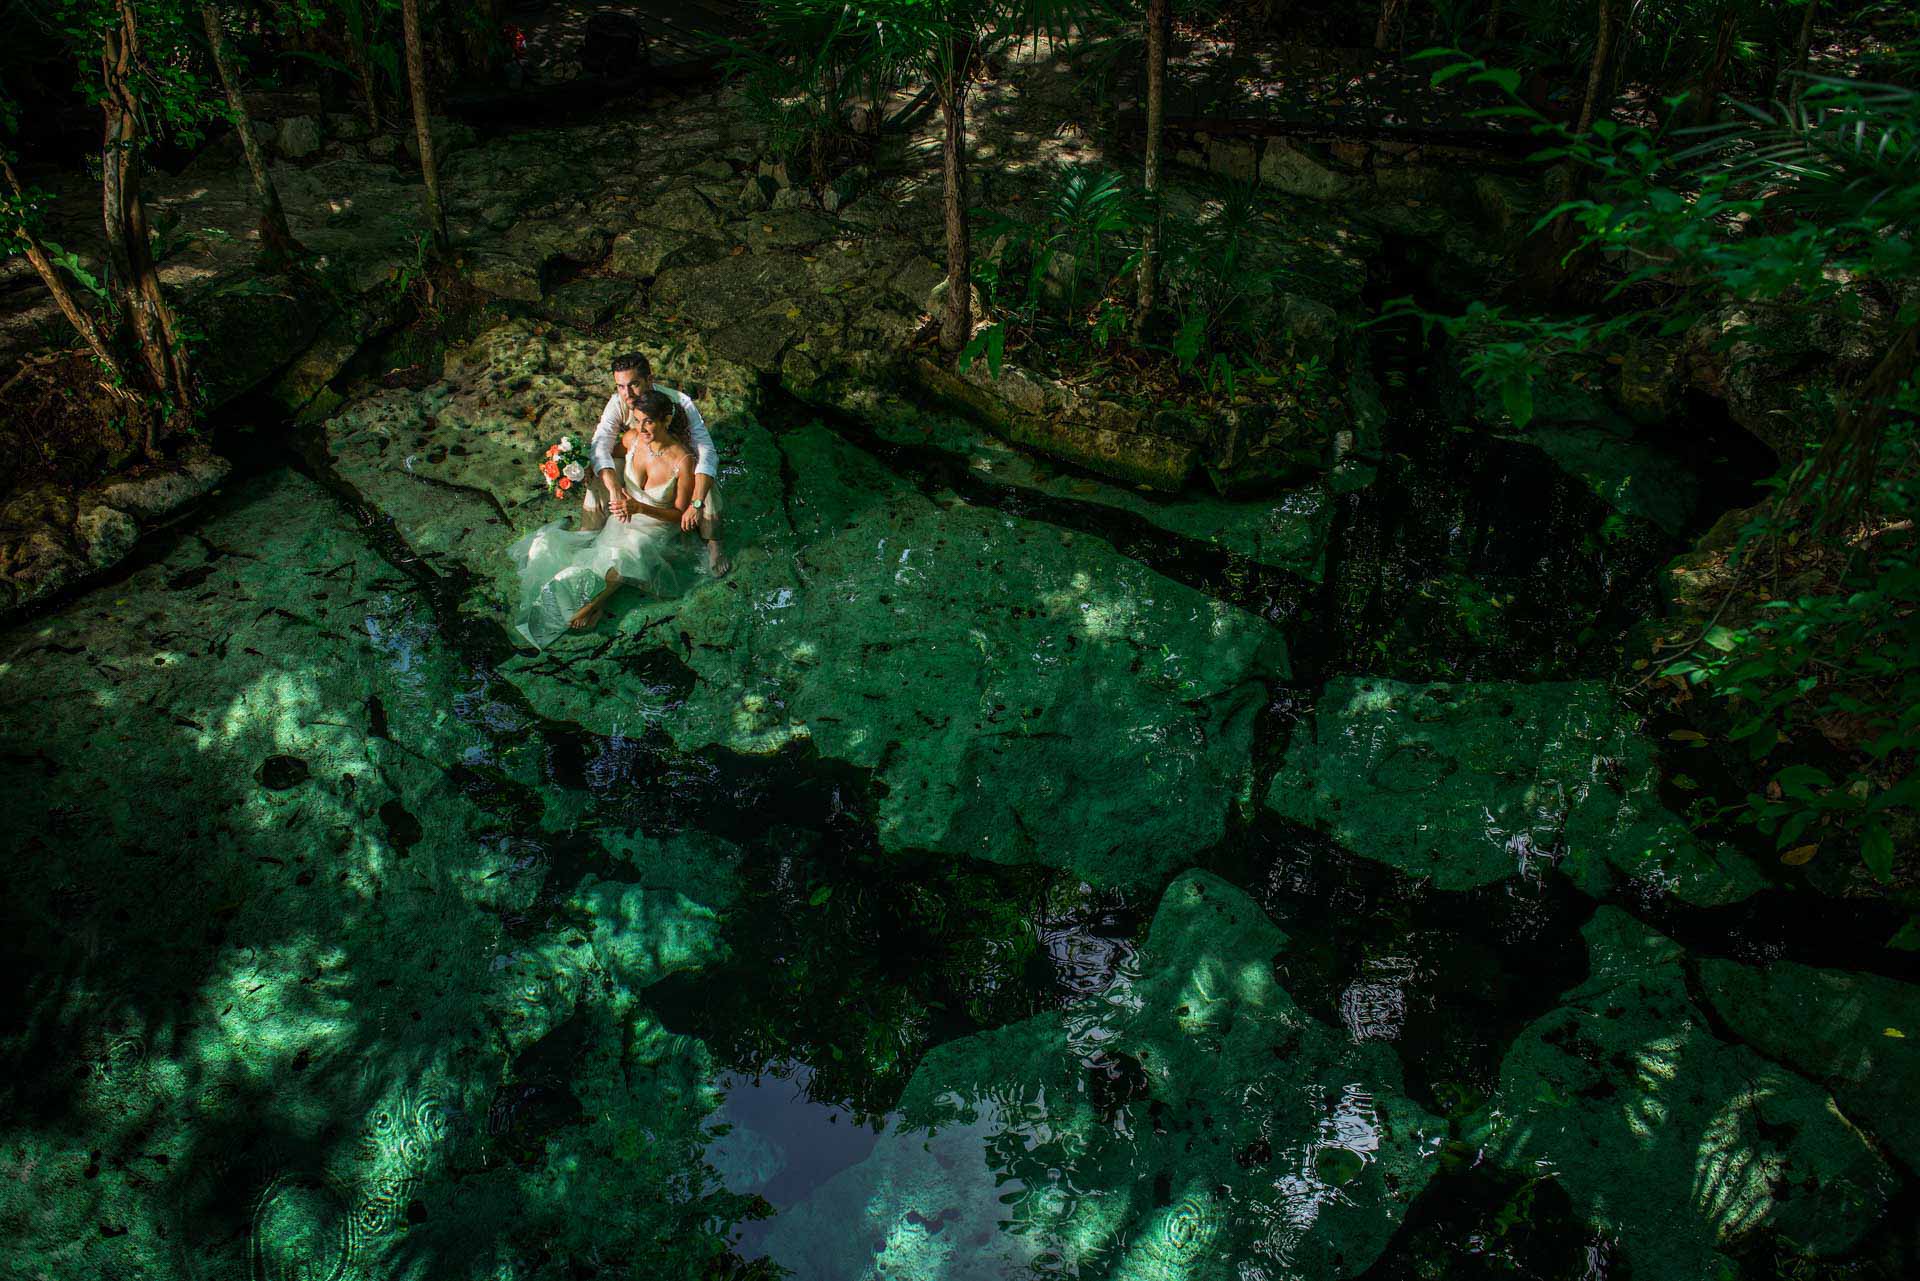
(632, 379)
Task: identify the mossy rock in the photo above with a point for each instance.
(1474, 783)
(1195, 1122)
(1856, 1034)
(1674, 1143)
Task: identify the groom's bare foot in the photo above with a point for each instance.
(717, 563)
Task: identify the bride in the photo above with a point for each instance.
(567, 576)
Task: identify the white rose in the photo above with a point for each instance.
(566, 443)
(574, 471)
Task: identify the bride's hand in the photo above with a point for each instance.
(617, 504)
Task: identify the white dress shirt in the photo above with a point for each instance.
(614, 416)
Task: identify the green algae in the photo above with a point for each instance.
(1024, 693)
(1287, 530)
(1680, 1146)
(1853, 1033)
(1186, 1123)
(1474, 783)
(276, 812)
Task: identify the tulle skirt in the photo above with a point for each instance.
(561, 569)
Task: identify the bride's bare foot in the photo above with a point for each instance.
(589, 615)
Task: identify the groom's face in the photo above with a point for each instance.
(632, 385)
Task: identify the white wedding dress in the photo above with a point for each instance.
(562, 568)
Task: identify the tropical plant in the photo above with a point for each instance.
(1808, 204)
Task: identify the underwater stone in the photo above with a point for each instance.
(1243, 1131)
(1678, 1145)
(1474, 783)
(278, 773)
(1855, 1034)
(1026, 694)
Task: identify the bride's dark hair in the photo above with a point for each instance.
(665, 413)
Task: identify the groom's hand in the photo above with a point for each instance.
(688, 519)
(618, 506)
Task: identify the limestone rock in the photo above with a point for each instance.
(1115, 1138)
(1233, 158)
(757, 194)
(298, 137)
(1509, 779)
(644, 251)
(683, 209)
(1288, 169)
(1675, 1143)
(158, 493)
(1855, 1034)
(505, 276)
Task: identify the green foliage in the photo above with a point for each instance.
(1839, 659)
(175, 88)
(1799, 206)
(798, 80)
(1063, 273)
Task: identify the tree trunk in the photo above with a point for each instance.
(1492, 31)
(136, 281)
(1851, 454)
(422, 123)
(1716, 70)
(1802, 52)
(1597, 73)
(956, 320)
(1389, 14)
(1158, 14)
(63, 298)
(357, 59)
(275, 235)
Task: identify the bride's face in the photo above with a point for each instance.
(649, 432)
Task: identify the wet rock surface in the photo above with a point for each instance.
(1116, 1138)
(1511, 780)
(360, 946)
(1685, 1149)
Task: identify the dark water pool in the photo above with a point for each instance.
(343, 950)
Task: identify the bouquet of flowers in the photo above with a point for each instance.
(566, 465)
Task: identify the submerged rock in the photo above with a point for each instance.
(283, 920)
(1856, 1034)
(1474, 783)
(1676, 1144)
(1287, 530)
(1193, 1122)
(1024, 693)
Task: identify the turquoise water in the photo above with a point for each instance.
(1000, 875)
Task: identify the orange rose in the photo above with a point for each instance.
(565, 484)
(552, 450)
(549, 469)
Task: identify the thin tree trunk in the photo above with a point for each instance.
(1158, 14)
(1597, 73)
(1716, 68)
(1389, 13)
(956, 320)
(1802, 52)
(56, 284)
(422, 123)
(362, 65)
(275, 235)
(1492, 31)
(124, 215)
(1852, 452)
